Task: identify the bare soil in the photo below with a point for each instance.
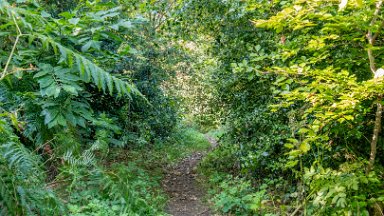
(184, 191)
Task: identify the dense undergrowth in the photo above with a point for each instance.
(128, 182)
(298, 89)
(93, 93)
(81, 81)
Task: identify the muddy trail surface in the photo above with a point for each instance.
(185, 193)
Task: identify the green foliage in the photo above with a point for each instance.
(294, 84)
(348, 190)
(23, 189)
(195, 87)
(236, 196)
(128, 188)
(298, 93)
(118, 190)
(44, 81)
(333, 92)
(222, 159)
(184, 141)
(68, 97)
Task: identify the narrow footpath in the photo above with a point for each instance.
(184, 191)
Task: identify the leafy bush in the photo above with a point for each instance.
(347, 190)
(300, 82)
(68, 97)
(122, 190)
(221, 159)
(237, 196)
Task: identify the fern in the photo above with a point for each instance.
(22, 187)
(14, 153)
(18, 157)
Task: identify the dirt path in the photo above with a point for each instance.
(183, 189)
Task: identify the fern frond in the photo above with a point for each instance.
(22, 186)
(85, 159)
(18, 157)
(15, 154)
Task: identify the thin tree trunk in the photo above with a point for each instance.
(375, 136)
(379, 107)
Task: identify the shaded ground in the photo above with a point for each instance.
(183, 189)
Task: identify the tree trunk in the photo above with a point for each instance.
(375, 136)
(379, 111)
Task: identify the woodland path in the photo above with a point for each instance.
(183, 189)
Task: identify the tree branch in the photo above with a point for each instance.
(19, 34)
(377, 32)
(372, 38)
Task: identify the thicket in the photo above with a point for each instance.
(300, 84)
(89, 89)
(80, 80)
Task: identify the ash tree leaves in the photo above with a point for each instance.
(62, 70)
(96, 24)
(59, 86)
(88, 70)
(75, 113)
(54, 80)
(89, 44)
(68, 52)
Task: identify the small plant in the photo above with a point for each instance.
(346, 191)
(237, 196)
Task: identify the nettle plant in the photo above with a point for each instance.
(331, 80)
(51, 65)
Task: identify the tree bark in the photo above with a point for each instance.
(375, 136)
(379, 107)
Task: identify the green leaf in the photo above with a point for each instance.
(45, 14)
(49, 115)
(74, 21)
(45, 82)
(304, 147)
(86, 46)
(40, 74)
(63, 56)
(289, 146)
(109, 81)
(291, 164)
(61, 120)
(70, 89)
(66, 15)
(56, 92)
(126, 24)
(51, 90)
